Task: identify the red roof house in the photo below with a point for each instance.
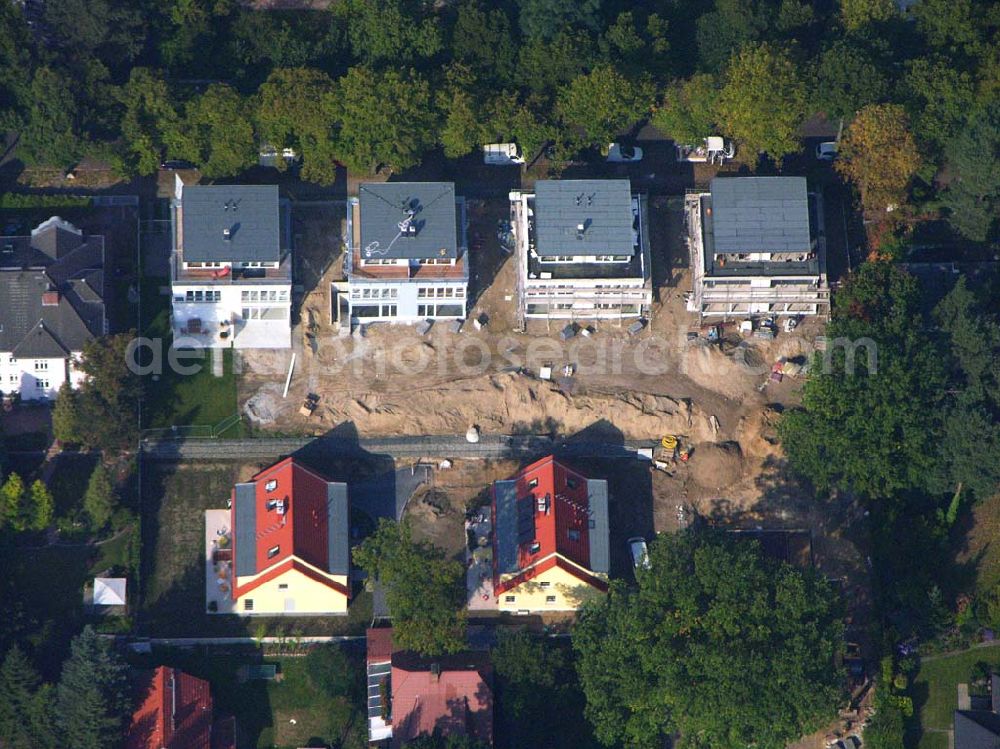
(291, 548)
(175, 712)
(550, 537)
(450, 695)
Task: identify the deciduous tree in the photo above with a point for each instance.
(150, 123)
(65, 415)
(50, 136)
(425, 591)
(939, 97)
(296, 108)
(544, 19)
(847, 78)
(217, 132)
(719, 642)
(603, 103)
(858, 14)
(763, 101)
(867, 422)
(108, 399)
(688, 110)
(386, 118)
(879, 155)
(390, 32)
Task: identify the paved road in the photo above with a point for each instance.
(489, 446)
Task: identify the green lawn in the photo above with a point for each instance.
(935, 689)
(200, 400)
(935, 740)
(174, 498)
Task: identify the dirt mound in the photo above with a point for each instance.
(265, 405)
(716, 466)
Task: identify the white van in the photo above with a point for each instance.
(502, 154)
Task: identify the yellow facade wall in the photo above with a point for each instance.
(568, 591)
(300, 595)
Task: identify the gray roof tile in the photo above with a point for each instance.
(433, 230)
(602, 206)
(760, 214)
(248, 212)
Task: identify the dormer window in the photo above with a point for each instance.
(535, 547)
(273, 552)
(573, 534)
(271, 485)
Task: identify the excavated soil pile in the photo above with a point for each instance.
(716, 466)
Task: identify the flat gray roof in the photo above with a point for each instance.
(338, 518)
(599, 532)
(245, 559)
(602, 206)
(760, 214)
(248, 212)
(432, 233)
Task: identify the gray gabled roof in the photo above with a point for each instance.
(760, 214)
(338, 518)
(602, 206)
(245, 528)
(505, 532)
(30, 329)
(598, 537)
(977, 729)
(433, 231)
(248, 212)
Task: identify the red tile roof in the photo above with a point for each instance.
(302, 531)
(560, 512)
(379, 643)
(174, 712)
(456, 700)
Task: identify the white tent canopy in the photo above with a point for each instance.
(109, 591)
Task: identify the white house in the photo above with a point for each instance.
(407, 259)
(757, 246)
(231, 267)
(582, 250)
(51, 303)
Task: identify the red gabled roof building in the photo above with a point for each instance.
(550, 538)
(410, 696)
(175, 711)
(291, 546)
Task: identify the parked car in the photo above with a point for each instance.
(639, 552)
(620, 153)
(826, 151)
(502, 154)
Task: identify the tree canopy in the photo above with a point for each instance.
(763, 101)
(719, 642)
(424, 590)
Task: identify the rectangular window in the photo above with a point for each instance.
(248, 604)
(509, 599)
(571, 482)
(550, 599)
(282, 586)
(273, 552)
(573, 534)
(13, 379)
(545, 584)
(41, 365)
(533, 483)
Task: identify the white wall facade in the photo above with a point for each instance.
(255, 315)
(36, 379)
(406, 301)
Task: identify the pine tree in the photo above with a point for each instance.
(92, 696)
(42, 506)
(65, 415)
(12, 503)
(19, 683)
(99, 501)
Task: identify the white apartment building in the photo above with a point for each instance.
(230, 267)
(582, 250)
(51, 304)
(757, 247)
(406, 258)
